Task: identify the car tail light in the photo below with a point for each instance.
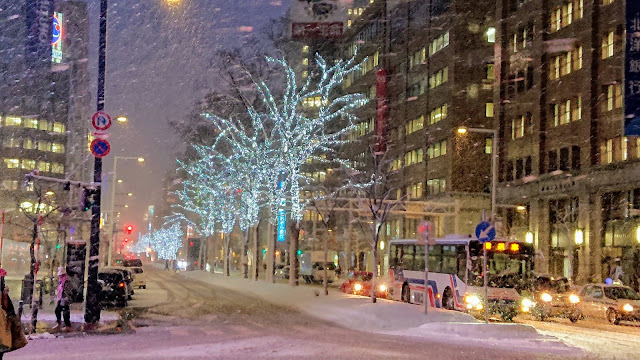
(121, 284)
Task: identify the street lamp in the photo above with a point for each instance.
(579, 237)
(494, 181)
(494, 162)
(122, 119)
(130, 194)
(528, 237)
(140, 160)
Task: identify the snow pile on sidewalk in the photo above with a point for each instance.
(392, 317)
(76, 316)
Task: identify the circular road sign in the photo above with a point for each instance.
(485, 232)
(101, 121)
(100, 148)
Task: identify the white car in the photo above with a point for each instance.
(611, 302)
(139, 279)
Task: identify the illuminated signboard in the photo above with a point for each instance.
(56, 38)
(282, 219)
(318, 19)
(632, 71)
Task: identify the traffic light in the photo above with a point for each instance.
(128, 229)
(426, 233)
(126, 240)
(87, 199)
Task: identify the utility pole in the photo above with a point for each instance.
(92, 300)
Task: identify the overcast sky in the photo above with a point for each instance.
(158, 65)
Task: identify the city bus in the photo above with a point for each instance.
(455, 273)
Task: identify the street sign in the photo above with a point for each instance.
(485, 232)
(101, 121)
(100, 148)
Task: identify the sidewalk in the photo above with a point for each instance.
(47, 318)
(392, 317)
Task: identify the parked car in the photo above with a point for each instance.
(132, 263)
(612, 302)
(114, 288)
(552, 297)
(139, 279)
(282, 271)
(128, 278)
(360, 283)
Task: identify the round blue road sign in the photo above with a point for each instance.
(485, 232)
(100, 148)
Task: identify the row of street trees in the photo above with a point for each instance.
(255, 162)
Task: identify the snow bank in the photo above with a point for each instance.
(76, 316)
(392, 317)
(493, 335)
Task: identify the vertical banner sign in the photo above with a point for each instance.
(318, 19)
(56, 38)
(282, 219)
(632, 70)
(381, 109)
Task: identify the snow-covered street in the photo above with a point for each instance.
(183, 318)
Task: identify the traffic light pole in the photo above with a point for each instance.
(92, 301)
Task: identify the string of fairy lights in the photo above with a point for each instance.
(255, 161)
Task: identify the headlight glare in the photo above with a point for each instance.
(382, 287)
(357, 287)
(472, 299)
(574, 299)
(546, 297)
(627, 308)
(527, 303)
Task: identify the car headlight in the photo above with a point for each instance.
(357, 287)
(472, 300)
(546, 297)
(382, 287)
(627, 307)
(527, 303)
(574, 299)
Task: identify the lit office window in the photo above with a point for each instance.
(11, 163)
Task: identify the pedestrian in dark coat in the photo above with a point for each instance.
(63, 300)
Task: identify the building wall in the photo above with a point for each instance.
(43, 106)
(580, 162)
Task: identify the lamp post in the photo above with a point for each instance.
(140, 159)
(494, 182)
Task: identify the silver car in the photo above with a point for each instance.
(614, 303)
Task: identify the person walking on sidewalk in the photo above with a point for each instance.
(64, 298)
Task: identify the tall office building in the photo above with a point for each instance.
(564, 154)
(44, 100)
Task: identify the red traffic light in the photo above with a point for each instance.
(129, 229)
(190, 243)
(126, 240)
